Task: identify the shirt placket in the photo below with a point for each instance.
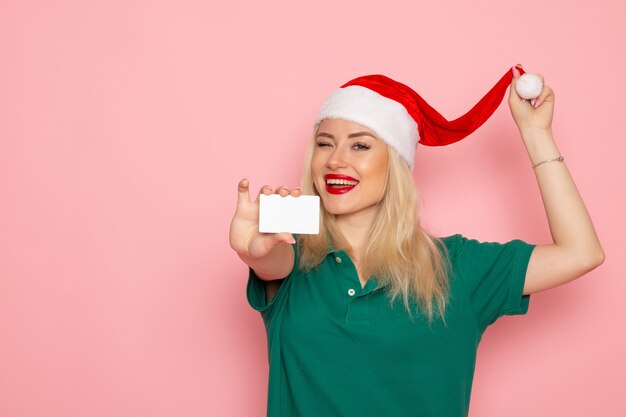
(356, 298)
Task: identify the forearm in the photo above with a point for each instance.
(276, 264)
(576, 248)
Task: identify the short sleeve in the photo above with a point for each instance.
(255, 292)
(494, 275)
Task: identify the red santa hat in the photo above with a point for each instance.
(402, 118)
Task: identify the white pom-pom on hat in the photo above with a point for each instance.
(529, 86)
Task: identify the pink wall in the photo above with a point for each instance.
(125, 125)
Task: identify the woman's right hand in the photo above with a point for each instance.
(245, 237)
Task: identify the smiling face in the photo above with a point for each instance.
(349, 167)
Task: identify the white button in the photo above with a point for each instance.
(338, 259)
(351, 292)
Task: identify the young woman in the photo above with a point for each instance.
(374, 316)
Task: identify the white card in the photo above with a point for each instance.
(299, 215)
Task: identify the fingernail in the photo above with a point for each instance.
(515, 72)
(537, 103)
(532, 102)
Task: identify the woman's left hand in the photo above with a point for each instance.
(531, 114)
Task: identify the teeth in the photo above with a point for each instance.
(341, 182)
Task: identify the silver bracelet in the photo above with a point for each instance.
(559, 159)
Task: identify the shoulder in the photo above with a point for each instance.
(452, 244)
(452, 241)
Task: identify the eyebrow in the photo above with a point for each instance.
(350, 136)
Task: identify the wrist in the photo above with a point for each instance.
(530, 133)
(539, 144)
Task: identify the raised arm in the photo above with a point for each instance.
(270, 255)
(576, 249)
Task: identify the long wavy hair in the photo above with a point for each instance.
(403, 257)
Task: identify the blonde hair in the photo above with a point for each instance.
(400, 254)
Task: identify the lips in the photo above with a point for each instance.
(339, 184)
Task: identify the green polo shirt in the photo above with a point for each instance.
(337, 349)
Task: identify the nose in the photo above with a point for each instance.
(337, 159)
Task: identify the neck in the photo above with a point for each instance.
(356, 229)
